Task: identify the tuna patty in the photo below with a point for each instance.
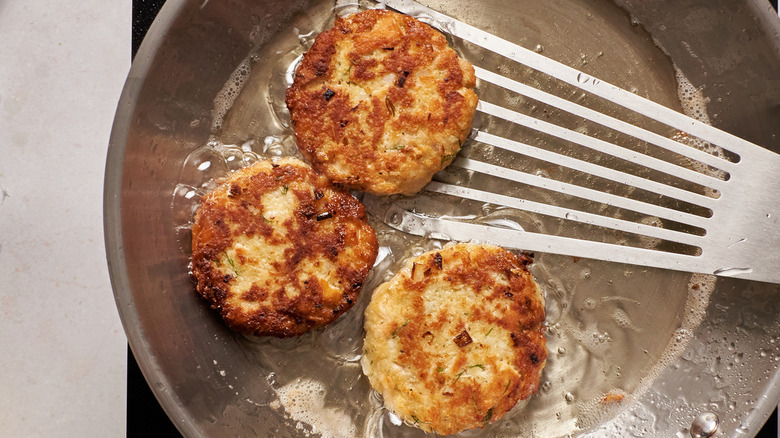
(278, 251)
(456, 338)
(380, 103)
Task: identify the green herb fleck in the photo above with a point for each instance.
(395, 332)
(417, 420)
(448, 157)
(232, 264)
(441, 369)
(457, 376)
(506, 387)
(285, 189)
(488, 332)
(445, 158)
(488, 416)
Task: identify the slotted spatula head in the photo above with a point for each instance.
(628, 180)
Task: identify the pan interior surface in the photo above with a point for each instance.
(633, 351)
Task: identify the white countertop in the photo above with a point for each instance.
(62, 347)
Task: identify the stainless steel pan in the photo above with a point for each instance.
(632, 352)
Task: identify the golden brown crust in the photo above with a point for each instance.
(278, 251)
(380, 102)
(456, 338)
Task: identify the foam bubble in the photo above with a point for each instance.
(693, 102)
(598, 410)
(594, 412)
(623, 321)
(700, 288)
(647, 241)
(694, 105)
(304, 401)
(595, 341)
(229, 92)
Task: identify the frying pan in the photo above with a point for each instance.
(190, 112)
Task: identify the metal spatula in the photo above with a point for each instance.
(666, 204)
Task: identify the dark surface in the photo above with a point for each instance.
(145, 417)
(144, 12)
(770, 428)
